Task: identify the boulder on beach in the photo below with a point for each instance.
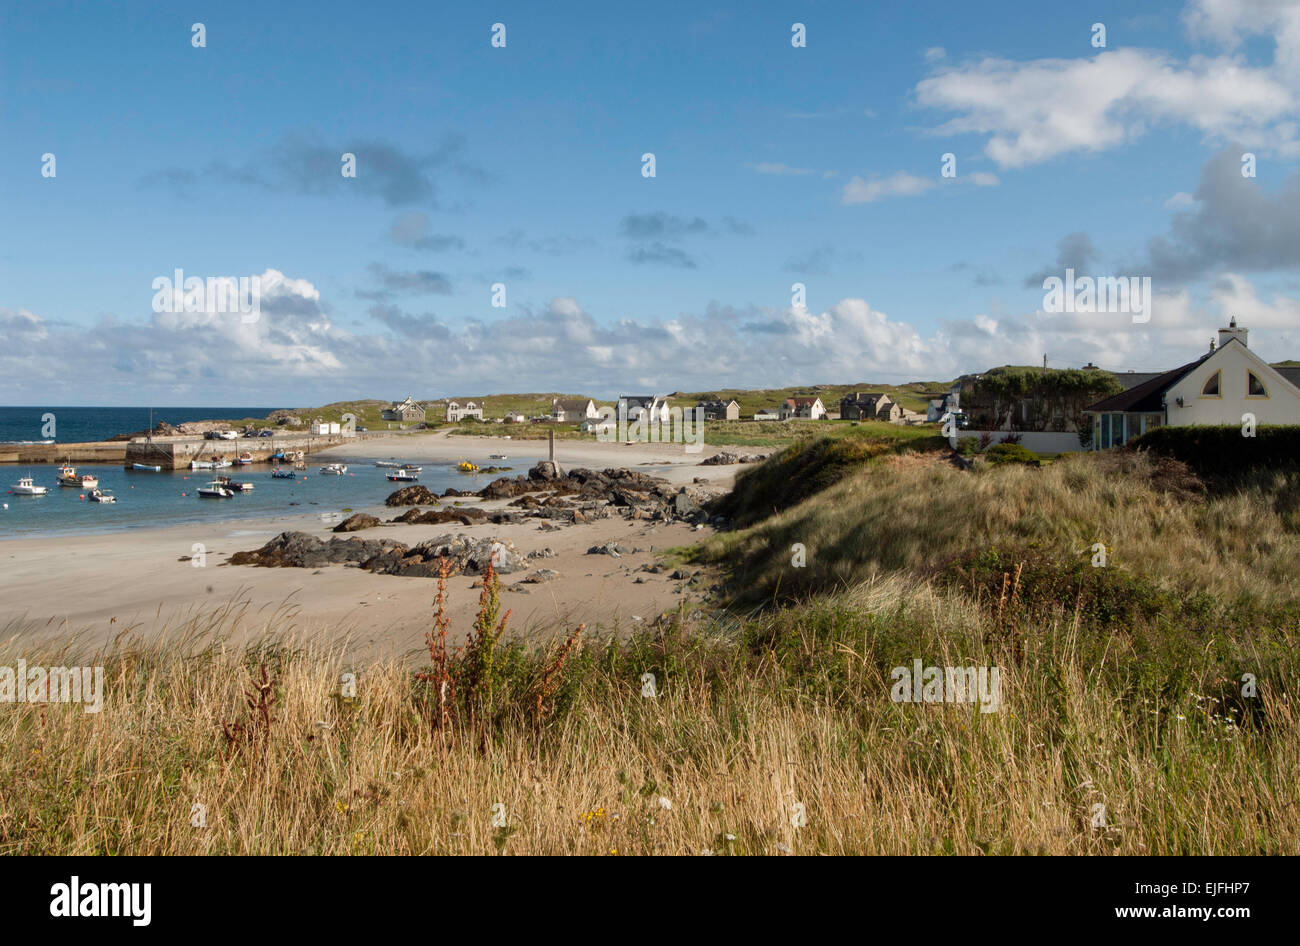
(357, 522)
(300, 550)
(414, 495)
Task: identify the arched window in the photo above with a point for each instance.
(1211, 386)
(1254, 386)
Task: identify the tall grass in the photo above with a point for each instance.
(749, 721)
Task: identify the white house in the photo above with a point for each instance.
(767, 413)
(804, 408)
(457, 410)
(648, 409)
(321, 428)
(572, 411)
(1220, 387)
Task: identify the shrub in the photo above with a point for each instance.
(1007, 452)
(1224, 451)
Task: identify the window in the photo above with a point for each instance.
(1211, 386)
(1254, 386)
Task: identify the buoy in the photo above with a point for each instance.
(82, 496)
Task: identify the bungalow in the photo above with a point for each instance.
(458, 411)
(514, 417)
(718, 409)
(598, 425)
(803, 408)
(572, 411)
(767, 413)
(1218, 388)
(859, 406)
(406, 412)
(649, 408)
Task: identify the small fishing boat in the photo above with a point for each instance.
(412, 468)
(102, 496)
(403, 476)
(387, 463)
(466, 467)
(215, 490)
(202, 465)
(245, 458)
(145, 466)
(497, 456)
(279, 474)
(277, 456)
(68, 476)
(234, 485)
(25, 487)
(334, 469)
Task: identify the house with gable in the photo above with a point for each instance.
(1218, 388)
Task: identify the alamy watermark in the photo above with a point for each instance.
(219, 294)
(656, 424)
(921, 684)
(1126, 294)
(24, 684)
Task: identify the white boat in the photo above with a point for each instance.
(234, 485)
(497, 456)
(209, 464)
(102, 496)
(245, 459)
(25, 487)
(387, 463)
(145, 466)
(68, 477)
(215, 490)
(403, 476)
(412, 468)
(334, 469)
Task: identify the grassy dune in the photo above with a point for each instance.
(771, 730)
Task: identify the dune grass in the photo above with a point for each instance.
(1146, 707)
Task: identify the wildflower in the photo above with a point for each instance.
(665, 804)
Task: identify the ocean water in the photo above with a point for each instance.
(82, 424)
(150, 500)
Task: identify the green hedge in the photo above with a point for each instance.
(1224, 451)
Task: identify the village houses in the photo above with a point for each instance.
(718, 409)
(572, 410)
(863, 406)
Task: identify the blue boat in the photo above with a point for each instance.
(283, 475)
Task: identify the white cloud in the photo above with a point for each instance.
(1035, 110)
(984, 179)
(900, 184)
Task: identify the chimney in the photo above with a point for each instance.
(1231, 332)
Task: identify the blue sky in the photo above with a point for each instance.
(522, 165)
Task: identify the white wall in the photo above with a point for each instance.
(1282, 406)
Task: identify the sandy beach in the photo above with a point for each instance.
(93, 587)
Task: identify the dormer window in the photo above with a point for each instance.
(1254, 386)
(1211, 386)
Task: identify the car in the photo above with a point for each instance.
(210, 435)
(227, 435)
(268, 432)
(361, 429)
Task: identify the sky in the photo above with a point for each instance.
(519, 167)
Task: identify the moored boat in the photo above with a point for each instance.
(215, 490)
(279, 474)
(146, 466)
(497, 456)
(102, 496)
(25, 487)
(334, 469)
(235, 485)
(245, 458)
(68, 476)
(403, 476)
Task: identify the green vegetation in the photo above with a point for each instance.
(1036, 398)
(1010, 453)
(1225, 452)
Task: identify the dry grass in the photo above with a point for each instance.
(496, 748)
(792, 709)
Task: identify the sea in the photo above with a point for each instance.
(147, 500)
(84, 424)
